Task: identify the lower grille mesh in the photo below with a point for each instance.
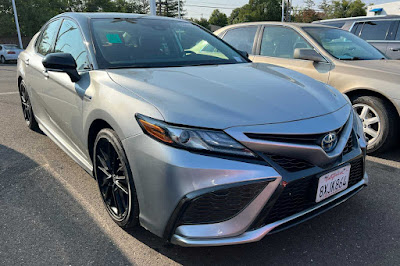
(222, 204)
(299, 195)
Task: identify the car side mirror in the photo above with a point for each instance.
(308, 54)
(244, 53)
(62, 62)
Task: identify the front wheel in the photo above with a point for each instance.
(379, 122)
(114, 177)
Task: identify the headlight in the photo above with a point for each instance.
(192, 138)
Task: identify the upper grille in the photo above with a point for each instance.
(222, 204)
(300, 194)
(291, 138)
(290, 164)
(293, 165)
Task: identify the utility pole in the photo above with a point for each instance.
(283, 10)
(153, 7)
(17, 24)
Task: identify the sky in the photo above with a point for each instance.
(204, 8)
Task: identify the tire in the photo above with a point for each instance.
(114, 178)
(27, 108)
(384, 122)
(2, 60)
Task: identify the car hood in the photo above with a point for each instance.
(386, 66)
(222, 96)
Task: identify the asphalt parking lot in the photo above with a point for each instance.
(51, 213)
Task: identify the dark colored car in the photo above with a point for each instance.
(383, 32)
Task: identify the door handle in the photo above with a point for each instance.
(45, 74)
(395, 49)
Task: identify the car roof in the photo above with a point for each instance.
(97, 15)
(289, 24)
(361, 18)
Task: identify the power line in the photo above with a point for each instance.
(220, 7)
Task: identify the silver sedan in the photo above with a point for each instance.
(184, 135)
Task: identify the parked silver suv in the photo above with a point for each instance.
(199, 146)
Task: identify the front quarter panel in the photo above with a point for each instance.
(347, 79)
(106, 100)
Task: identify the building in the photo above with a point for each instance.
(392, 8)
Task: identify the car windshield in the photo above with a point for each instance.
(146, 42)
(343, 45)
(11, 46)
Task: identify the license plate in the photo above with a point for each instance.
(332, 183)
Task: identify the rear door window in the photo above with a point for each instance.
(375, 30)
(241, 38)
(46, 39)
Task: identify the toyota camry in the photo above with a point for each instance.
(184, 135)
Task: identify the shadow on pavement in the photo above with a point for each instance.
(363, 230)
(392, 155)
(41, 223)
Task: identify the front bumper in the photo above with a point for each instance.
(258, 234)
(11, 57)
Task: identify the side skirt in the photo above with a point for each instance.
(73, 153)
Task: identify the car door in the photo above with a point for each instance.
(393, 48)
(63, 98)
(35, 76)
(276, 46)
(242, 38)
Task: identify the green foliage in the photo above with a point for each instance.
(202, 22)
(218, 18)
(32, 14)
(343, 8)
(257, 10)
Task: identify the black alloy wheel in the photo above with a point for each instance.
(113, 175)
(27, 108)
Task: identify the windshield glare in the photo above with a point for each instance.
(343, 44)
(146, 42)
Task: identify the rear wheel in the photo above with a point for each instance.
(27, 108)
(2, 60)
(114, 177)
(379, 122)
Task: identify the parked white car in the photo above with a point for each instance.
(9, 52)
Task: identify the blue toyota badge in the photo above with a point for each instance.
(329, 142)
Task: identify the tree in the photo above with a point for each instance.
(307, 14)
(257, 10)
(343, 8)
(169, 8)
(218, 18)
(202, 22)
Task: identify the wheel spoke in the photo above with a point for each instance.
(117, 201)
(121, 187)
(104, 171)
(364, 112)
(102, 161)
(371, 121)
(371, 132)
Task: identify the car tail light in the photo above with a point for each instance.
(10, 52)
